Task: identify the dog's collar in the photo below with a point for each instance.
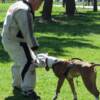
(47, 66)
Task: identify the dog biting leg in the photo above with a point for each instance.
(59, 85)
(71, 83)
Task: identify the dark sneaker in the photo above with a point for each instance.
(31, 94)
(16, 90)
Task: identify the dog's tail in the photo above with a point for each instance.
(76, 59)
(94, 65)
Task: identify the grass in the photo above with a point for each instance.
(3, 9)
(77, 36)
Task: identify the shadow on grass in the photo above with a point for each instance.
(80, 25)
(17, 96)
(1, 24)
(58, 44)
(3, 55)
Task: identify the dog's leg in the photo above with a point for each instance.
(59, 85)
(89, 79)
(71, 83)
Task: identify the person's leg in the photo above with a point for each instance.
(13, 50)
(28, 81)
(16, 76)
(28, 74)
(21, 56)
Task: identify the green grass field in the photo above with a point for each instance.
(77, 36)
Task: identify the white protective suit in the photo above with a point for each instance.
(18, 39)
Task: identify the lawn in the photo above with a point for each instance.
(77, 36)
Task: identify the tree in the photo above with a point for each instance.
(47, 10)
(70, 7)
(94, 5)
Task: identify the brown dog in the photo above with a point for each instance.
(70, 69)
(75, 67)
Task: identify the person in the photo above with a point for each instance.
(20, 43)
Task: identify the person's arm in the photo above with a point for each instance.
(24, 20)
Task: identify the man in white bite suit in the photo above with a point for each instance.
(20, 43)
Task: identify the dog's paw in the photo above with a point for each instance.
(54, 98)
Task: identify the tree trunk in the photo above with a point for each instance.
(70, 7)
(95, 5)
(47, 9)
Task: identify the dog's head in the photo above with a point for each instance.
(46, 61)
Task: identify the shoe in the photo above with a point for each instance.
(31, 94)
(16, 90)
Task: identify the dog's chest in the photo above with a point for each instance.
(59, 69)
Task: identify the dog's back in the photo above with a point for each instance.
(71, 68)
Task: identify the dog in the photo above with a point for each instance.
(69, 70)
